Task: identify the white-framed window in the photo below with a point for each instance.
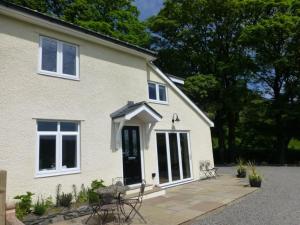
(58, 148)
(58, 58)
(157, 93)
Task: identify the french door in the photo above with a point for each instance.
(174, 160)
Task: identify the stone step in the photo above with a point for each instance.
(150, 193)
(136, 189)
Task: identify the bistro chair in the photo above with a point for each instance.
(135, 203)
(94, 208)
(207, 170)
(109, 205)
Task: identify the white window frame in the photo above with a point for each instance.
(59, 60)
(181, 180)
(157, 93)
(58, 161)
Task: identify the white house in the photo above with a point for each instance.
(76, 105)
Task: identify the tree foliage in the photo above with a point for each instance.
(118, 18)
(202, 37)
(271, 42)
(241, 61)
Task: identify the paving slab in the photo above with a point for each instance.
(185, 202)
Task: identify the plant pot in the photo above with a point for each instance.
(241, 174)
(255, 183)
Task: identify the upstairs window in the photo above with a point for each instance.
(157, 92)
(58, 148)
(58, 58)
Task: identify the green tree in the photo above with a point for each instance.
(118, 18)
(271, 47)
(201, 37)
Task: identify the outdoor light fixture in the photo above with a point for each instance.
(175, 118)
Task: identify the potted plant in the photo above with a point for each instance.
(255, 178)
(241, 169)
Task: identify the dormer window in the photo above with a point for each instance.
(58, 58)
(157, 93)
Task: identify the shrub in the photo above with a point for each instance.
(82, 196)
(20, 213)
(65, 199)
(49, 202)
(58, 189)
(97, 184)
(23, 207)
(255, 178)
(92, 195)
(40, 207)
(241, 169)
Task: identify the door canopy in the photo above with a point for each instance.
(141, 111)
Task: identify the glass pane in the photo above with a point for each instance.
(185, 155)
(162, 93)
(69, 59)
(162, 158)
(126, 142)
(69, 151)
(68, 126)
(152, 91)
(47, 152)
(47, 126)
(174, 156)
(49, 54)
(134, 143)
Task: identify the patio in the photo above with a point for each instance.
(186, 202)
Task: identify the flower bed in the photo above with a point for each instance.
(53, 217)
(67, 206)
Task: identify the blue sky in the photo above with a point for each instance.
(148, 7)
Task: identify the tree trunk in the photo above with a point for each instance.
(219, 124)
(280, 142)
(277, 109)
(232, 120)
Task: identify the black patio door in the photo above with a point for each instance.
(131, 155)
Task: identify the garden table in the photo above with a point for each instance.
(114, 190)
(111, 199)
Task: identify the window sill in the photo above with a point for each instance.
(56, 173)
(63, 76)
(158, 102)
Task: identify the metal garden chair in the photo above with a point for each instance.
(207, 170)
(135, 203)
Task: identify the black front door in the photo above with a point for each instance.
(131, 155)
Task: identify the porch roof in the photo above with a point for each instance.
(139, 109)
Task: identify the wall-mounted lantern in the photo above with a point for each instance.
(175, 118)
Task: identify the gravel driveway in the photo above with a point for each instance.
(276, 203)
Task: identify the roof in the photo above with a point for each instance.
(76, 27)
(175, 79)
(131, 107)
